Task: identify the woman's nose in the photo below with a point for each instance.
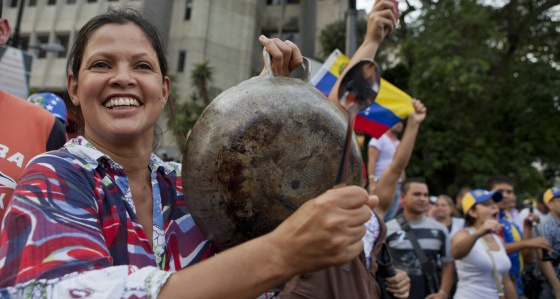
(123, 76)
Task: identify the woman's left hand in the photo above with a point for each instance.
(285, 55)
(398, 285)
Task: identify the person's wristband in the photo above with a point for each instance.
(372, 177)
(473, 233)
(443, 292)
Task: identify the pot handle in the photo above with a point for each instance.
(267, 71)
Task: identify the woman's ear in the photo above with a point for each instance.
(166, 87)
(72, 87)
(5, 31)
(473, 212)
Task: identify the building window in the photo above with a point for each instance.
(91, 1)
(181, 62)
(51, 2)
(13, 3)
(41, 40)
(32, 3)
(188, 10)
(70, 1)
(64, 41)
(24, 42)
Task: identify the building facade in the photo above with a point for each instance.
(222, 32)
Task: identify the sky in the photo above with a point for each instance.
(364, 4)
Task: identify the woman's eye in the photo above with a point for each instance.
(144, 66)
(100, 64)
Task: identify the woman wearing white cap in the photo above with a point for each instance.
(480, 257)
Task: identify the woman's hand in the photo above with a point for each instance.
(489, 226)
(285, 55)
(324, 231)
(381, 21)
(419, 113)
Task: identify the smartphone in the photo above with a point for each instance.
(396, 10)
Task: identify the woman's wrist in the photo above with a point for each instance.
(444, 293)
(475, 233)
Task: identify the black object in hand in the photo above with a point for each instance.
(385, 270)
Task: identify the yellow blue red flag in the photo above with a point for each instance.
(391, 105)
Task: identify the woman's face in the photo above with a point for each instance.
(119, 86)
(442, 209)
(486, 210)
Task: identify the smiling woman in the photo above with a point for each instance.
(104, 215)
(121, 87)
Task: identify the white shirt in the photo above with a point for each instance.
(457, 224)
(475, 271)
(387, 148)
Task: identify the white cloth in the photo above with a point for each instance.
(513, 216)
(475, 271)
(373, 229)
(457, 224)
(111, 282)
(387, 148)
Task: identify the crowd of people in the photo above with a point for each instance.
(101, 216)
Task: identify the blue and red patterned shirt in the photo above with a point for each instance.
(72, 218)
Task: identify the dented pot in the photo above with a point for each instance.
(260, 150)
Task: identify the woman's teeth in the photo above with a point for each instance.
(112, 103)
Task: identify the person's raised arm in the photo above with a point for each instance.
(463, 241)
(529, 253)
(373, 155)
(387, 184)
(380, 23)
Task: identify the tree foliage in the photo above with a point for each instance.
(333, 36)
(183, 115)
(200, 77)
(490, 78)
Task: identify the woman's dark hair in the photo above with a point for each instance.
(119, 16)
(115, 16)
(470, 220)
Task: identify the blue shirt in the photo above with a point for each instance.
(511, 233)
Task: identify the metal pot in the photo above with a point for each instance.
(260, 150)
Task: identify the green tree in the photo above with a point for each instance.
(200, 77)
(489, 75)
(333, 36)
(183, 116)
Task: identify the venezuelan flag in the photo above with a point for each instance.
(391, 105)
